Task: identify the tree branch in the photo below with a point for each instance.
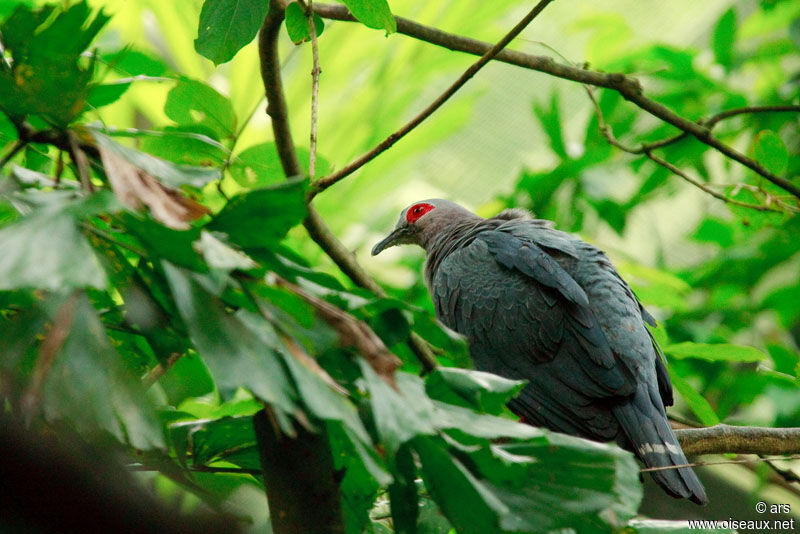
(647, 149)
(628, 87)
(722, 439)
(488, 55)
(315, 226)
(302, 485)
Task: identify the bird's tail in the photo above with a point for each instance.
(645, 424)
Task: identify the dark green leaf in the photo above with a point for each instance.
(226, 26)
(723, 39)
(88, 384)
(481, 391)
(46, 250)
(261, 218)
(235, 356)
(373, 13)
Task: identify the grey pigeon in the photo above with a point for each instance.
(538, 304)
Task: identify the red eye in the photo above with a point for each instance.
(417, 211)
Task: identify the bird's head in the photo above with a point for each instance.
(421, 221)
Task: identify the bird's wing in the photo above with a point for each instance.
(526, 317)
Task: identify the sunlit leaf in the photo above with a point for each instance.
(226, 26)
(373, 13)
(723, 38)
(698, 404)
(297, 23)
(715, 352)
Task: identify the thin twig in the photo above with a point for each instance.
(314, 225)
(315, 72)
(607, 132)
(81, 162)
(488, 55)
(722, 462)
(628, 87)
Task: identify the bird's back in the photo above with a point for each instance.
(538, 304)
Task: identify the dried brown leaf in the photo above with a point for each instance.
(135, 187)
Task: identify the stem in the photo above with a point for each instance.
(721, 439)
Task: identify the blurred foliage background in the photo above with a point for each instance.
(711, 273)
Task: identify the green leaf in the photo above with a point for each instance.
(715, 352)
(403, 493)
(102, 95)
(186, 145)
(297, 23)
(193, 102)
(723, 39)
(47, 250)
(551, 123)
(257, 166)
(220, 255)
(481, 391)
(771, 152)
(47, 76)
(235, 356)
(228, 25)
(261, 218)
(88, 384)
(554, 481)
(699, 405)
(398, 417)
(373, 13)
(316, 395)
(166, 171)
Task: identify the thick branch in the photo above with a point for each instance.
(628, 87)
(488, 55)
(721, 439)
(316, 227)
(302, 485)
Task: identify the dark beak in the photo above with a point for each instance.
(397, 237)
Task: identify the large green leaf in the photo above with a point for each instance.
(226, 26)
(47, 76)
(235, 356)
(551, 482)
(193, 102)
(47, 250)
(261, 218)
